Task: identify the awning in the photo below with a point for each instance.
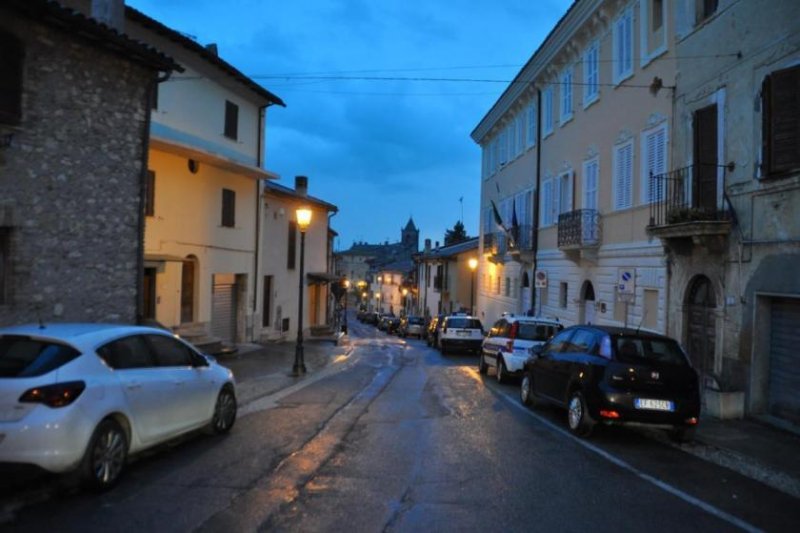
(322, 277)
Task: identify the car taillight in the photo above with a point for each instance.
(58, 395)
(607, 413)
(512, 334)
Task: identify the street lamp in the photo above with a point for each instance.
(346, 288)
(473, 265)
(405, 300)
(303, 215)
(378, 299)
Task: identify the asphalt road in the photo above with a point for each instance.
(397, 437)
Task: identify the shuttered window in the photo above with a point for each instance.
(654, 161)
(531, 140)
(564, 190)
(591, 173)
(623, 46)
(547, 111)
(781, 122)
(591, 74)
(291, 253)
(623, 176)
(12, 55)
(228, 208)
(566, 95)
(547, 203)
(231, 120)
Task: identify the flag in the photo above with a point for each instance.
(514, 226)
(497, 218)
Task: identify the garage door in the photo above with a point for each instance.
(223, 312)
(784, 361)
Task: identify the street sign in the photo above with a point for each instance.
(540, 281)
(626, 285)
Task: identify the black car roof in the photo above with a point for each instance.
(617, 330)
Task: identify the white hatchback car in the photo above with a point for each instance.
(508, 344)
(84, 396)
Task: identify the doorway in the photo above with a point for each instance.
(149, 289)
(702, 324)
(188, 276)
(704, 193)
(587, 309)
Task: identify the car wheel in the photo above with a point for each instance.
(526, 394)
(578, 419)
(500, 371)
(482, 366)
(224, 411)
(105, 456)
(682, 434)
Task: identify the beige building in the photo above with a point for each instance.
(567, 154)
(447, 282)
(279, 262)
(728, 215)
(206, 164)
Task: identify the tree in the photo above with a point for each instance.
(455, 235)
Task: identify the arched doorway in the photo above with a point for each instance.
(188, 277)
(702, 324)
(587, 308)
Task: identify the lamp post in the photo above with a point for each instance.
(473, 265)
(346, 289)
(380, 294)
(303, 215)
(405, 301)
(378, 299)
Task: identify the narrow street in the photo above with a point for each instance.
(399, 438)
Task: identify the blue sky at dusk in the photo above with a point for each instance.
(380, 149)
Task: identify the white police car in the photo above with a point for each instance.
(508, 344)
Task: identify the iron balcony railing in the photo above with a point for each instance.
(579, 229)
(495, 243)
(679, 196)
(520, 238)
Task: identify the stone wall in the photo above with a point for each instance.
(70, 180)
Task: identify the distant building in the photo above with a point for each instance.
(362, 260)
(75, 99)
(446, 282)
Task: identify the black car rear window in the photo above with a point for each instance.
(638, 350)
(23, 357)
(415, 320)
(536, 332)
(469, 323)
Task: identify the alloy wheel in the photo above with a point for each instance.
(224, 412)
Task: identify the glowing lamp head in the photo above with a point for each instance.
(303, 218)
(473, 263)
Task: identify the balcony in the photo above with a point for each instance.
(579, 230)
(520, 243)
(685, 212)
(496, 245)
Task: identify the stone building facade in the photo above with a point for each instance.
(73, 147)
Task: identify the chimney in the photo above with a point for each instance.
(108, 12)
(437, 244)
(427, 245)
(212, 47)
(301, 185)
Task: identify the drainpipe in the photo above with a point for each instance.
(536, 196)
(149, 98)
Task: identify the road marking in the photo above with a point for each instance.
(688, 498)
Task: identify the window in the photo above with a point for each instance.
(623, 46)
(291, 253)
(150, 194)
(507, 287)
(520, 133)
(266, 302)
(781, 122)
(583, 341)
(5, 264)
(564, 193)
(657, 15)
(591, 74)
(231, 120)
(548, 206)
(547, 111)
(12, 55)
(503, 141)
(559, 342)
(650, 318)
(591, 176)
(531, 138)
(228, 208)
(562, 294)
(128, 352)
(705, 8)
(169, 351)
(654, 162)
(652, 34)
(23, 357)
(566, 95)
(623, 176)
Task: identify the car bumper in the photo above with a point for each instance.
(462, 344)
(52, 439)
(618, 407)
(515, 363)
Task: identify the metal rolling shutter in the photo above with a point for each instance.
(223, 312)
(784, 362)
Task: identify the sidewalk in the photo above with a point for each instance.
(263, 369)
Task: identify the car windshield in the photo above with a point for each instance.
(638, 350)
(536, 332)
(22, 357)
(415, 320)
(458, 322)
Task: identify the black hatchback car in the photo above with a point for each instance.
(613, 376)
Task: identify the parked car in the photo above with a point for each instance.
(85, 396)
(615, 375)
(411, 326)
(432, 331)
(460, 332)
(372, 317)
(393, 324)
(383, 321)
(508, 344)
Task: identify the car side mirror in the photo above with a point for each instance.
(536, 350)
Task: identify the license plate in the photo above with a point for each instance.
(654, 405)
(462, 333)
